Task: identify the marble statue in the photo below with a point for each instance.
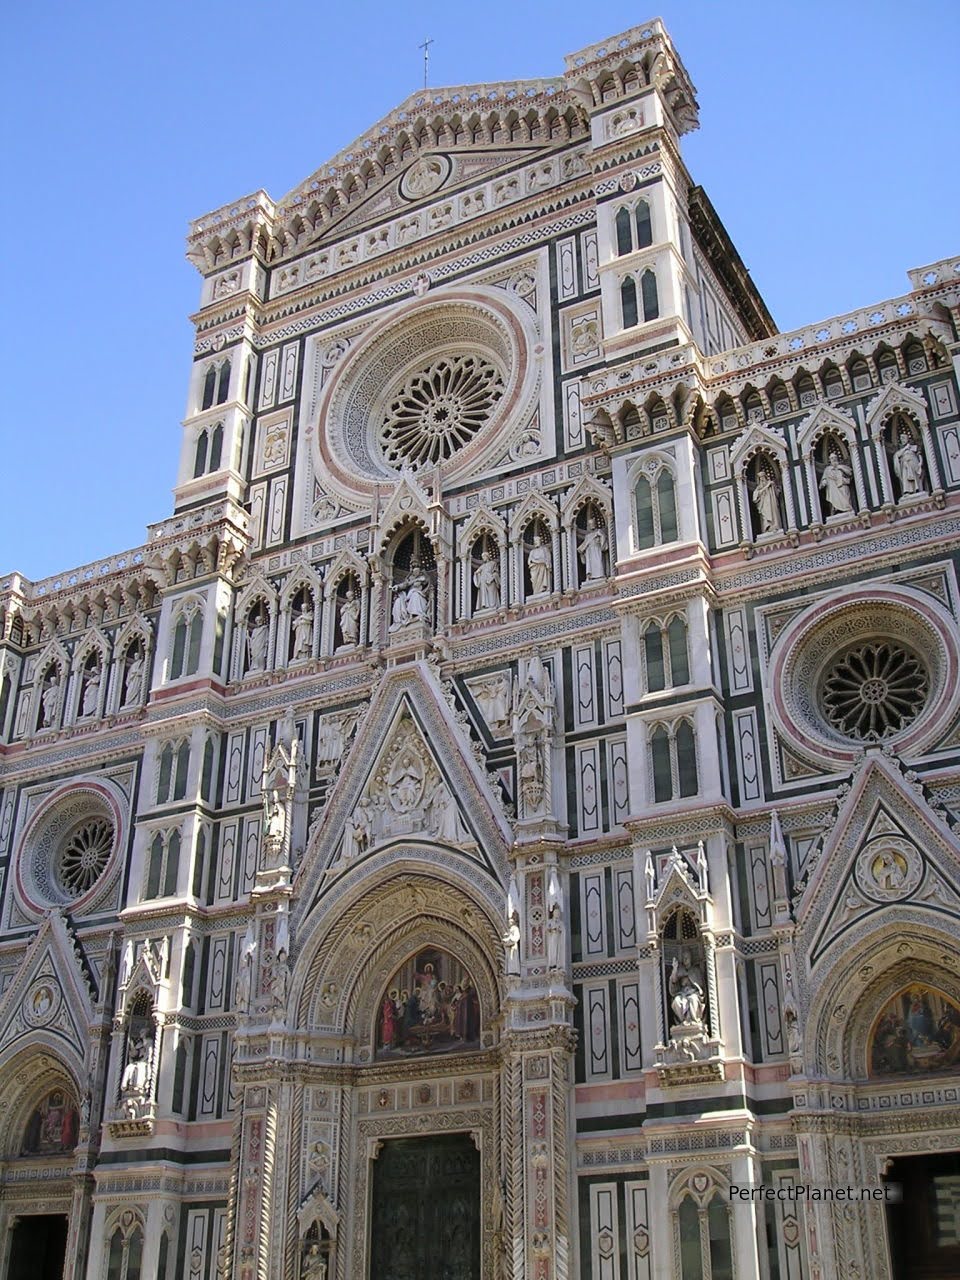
(835, 483)
(686, 989)
(350, 617)
(593, 544)
(134, 680)
(765, 494)
(91, 692)
(258, 636)
(540, 567)
(908, 465)
(50, 700)
(303, 634)
(511, 942)
(486, 578)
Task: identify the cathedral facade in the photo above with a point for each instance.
(503, 824)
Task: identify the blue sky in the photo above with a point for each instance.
(828, 145)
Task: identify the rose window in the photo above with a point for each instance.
(874, 690)
(439, 409)
(84, 856)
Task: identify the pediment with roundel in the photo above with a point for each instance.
(434, 176)
(888, 848)
(412, 775)
(50, 995)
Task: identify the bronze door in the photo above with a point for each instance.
(426, 1210)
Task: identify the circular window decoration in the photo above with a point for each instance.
(70, 846)
(84, 855)
(848, 672)
(439, 409)
(874, 690)
(451, 379)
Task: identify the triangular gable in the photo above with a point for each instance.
(887, 847)
(382, 789)
(895, 398)
(50, 996)
(757, 438)
(825, 418)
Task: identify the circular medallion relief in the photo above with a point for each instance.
(889, 869)
(426, 175)
(41, 1003)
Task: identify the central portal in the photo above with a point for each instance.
(426, 1210)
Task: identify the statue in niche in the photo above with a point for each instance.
(685, 984)
(91, 692)
(50, 701)
(908, 465)
(244, 987)
(303, 633)
(314, 1263)
(593, 545)
(540, 567)
(555, 938)
(274, 818)
(511, 943)
(835, 483)
(492, 696)
(411, 600)
(765, 499)
(134, 684)
(531, 771)
(486, 579)
(349, 609)
(135, 1081)
(258, 636)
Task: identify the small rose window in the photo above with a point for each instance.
(873, 690)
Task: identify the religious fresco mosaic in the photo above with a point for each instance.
(52, 1125)
(430, 1006)
(918, 1031)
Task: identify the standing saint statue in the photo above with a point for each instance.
(350, 617)
(908, 464)
(91, 693)
(50, 701)
(134, 680)
(593, 544)
(486, 578)
(257, 639)
(540, 567)
(835, 483)
(303, 633)
(765, 496)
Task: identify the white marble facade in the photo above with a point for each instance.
(537, 722)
